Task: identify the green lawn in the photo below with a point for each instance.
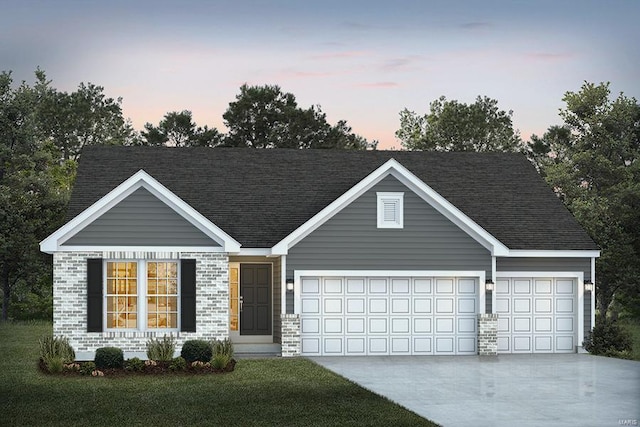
(282, 392)
(634, 328)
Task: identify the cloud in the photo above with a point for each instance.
(476, 26)
(400, 64)
(339, 55)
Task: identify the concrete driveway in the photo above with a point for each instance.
(506, 390)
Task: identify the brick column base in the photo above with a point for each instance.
(488, 334)
(290, 335)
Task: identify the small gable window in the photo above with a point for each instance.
(390, 210)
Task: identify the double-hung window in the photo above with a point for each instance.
(142, 295)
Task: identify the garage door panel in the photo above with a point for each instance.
(467, 326)
(333, 305)
(377, 306)
(400, 305)
(355, 305)
(444, 325)
(536, 315)
(356, 325)
(466, 305)
(400, 325)
(444, 305)
(388, 315)
(356, 345)
(332, 345)
(332, 286)
(466, 345)
(333, 326)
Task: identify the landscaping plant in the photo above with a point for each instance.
(161, 349)
(608, 339)
(55, 352)
(109, 357)
(193, 350)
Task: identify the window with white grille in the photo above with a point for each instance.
(390, 210)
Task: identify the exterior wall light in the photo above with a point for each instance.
(289, 285)
(488, 285)
(588, 286)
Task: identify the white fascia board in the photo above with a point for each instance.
(207, 249)
(140, 179)
(405, 176)
(553, 253)
(571, 274)
(390, 273)
(254, 252)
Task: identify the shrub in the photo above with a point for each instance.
(220, 361)
(608, 339)
(87, 368)
(56, 347)
(178, 364)
(223, 347)
(54, 364)
(134, 365)
(109, 357)
(193, 350)
(161, 349)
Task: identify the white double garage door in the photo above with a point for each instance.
(431, 315)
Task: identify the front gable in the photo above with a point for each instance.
(140, 214)
(413, 184)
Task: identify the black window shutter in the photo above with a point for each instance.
(94, 295)
(188, 295)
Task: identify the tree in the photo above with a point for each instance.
(177, 129)
(265, 117)
(455, 126)
(593, 163)
(32, 188)
(83, 117)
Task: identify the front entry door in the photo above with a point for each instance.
(255, 293)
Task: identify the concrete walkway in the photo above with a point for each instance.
(506, 390)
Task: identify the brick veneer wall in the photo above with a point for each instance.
(487, 334)
(70, 302)
(290, 335)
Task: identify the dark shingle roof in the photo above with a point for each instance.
(260, 196)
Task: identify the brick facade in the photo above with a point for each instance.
(487, 334)
(70, 302)
(290, 335)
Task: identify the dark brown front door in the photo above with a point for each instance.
(255, 290)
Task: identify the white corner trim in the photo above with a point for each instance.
(140, 179)
(418, 186)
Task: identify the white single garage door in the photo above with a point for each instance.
(388, 315)
(536, 315)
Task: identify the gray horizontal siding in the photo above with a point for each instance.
(351, 240)
(545, 264)
(140, 220)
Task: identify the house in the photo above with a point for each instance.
(321, 252)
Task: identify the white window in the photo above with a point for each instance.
(141, 295)
(390, 210)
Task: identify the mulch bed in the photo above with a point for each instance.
(160, 368)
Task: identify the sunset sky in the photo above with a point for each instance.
(362, 61)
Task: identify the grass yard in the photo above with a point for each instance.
(282, 392)
(634, 328)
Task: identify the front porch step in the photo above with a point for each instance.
(246, 351)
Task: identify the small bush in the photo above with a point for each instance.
(161, 349)
(193, 350)
(109, 357)
(56, 347)
(223, 347)
(87, 368)
(178, 364)
(220, 361)
(608, 339)
(134, 365)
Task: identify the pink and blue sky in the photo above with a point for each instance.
(362, 61)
